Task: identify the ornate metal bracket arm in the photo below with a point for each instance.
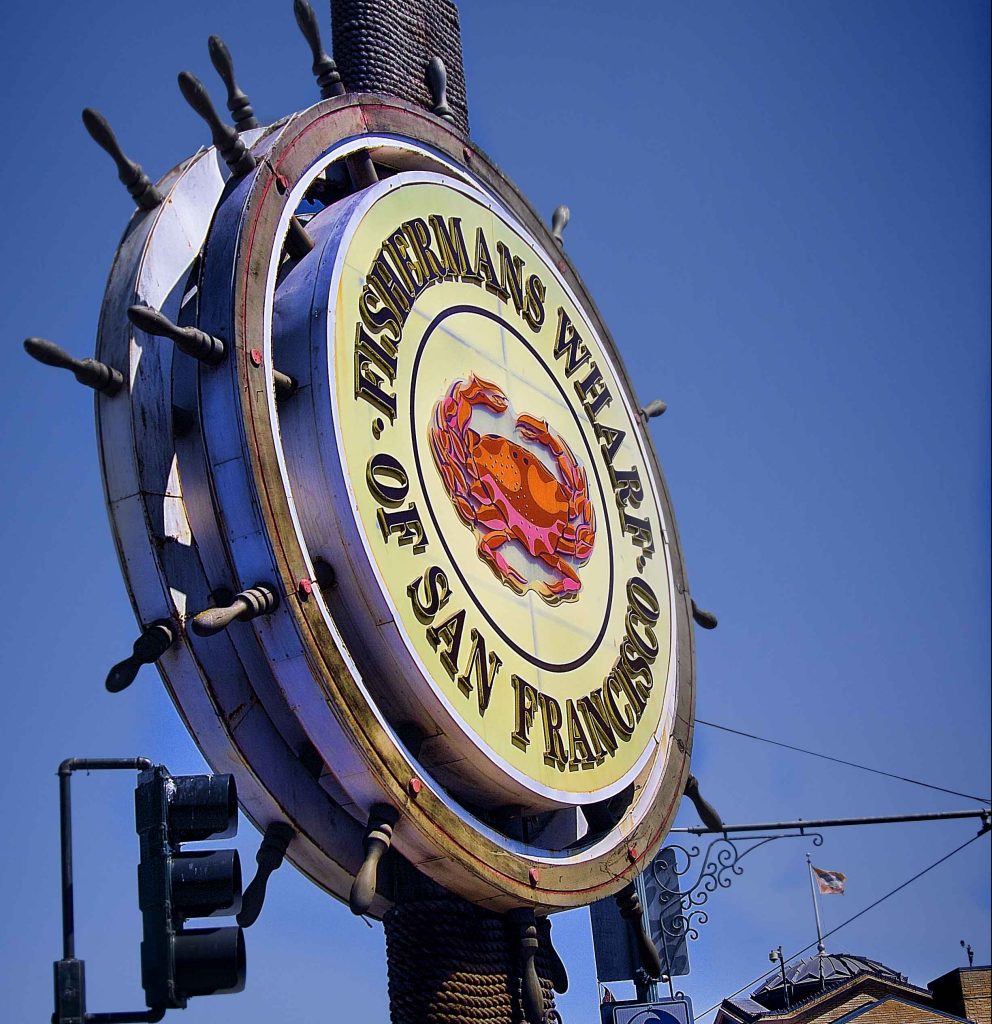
(237, 102)
(685, 925)
(269, 858)
(249, 604)
(96, 375)
(707, 813)
(132, 176)
(154, 641)
(228, 142)
(378, 839)
(559, 221)
(720, 864)
(629, 904)
(531, 996)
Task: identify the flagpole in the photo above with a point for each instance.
(821, 949)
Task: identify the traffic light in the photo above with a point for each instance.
(175, 884)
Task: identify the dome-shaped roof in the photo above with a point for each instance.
(803, 976)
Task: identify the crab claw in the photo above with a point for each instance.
(483, 392)
(532, 428)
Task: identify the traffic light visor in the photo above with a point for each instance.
(206, 882)
(202, 807)
(210, 961)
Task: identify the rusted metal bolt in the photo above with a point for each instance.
(632, 854)
(534, 875)
(304, 588)
(255, 355)
(415, 786)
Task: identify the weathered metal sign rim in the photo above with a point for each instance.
(136, 277)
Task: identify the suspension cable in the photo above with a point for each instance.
(839, 760)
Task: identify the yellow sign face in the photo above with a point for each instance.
(496, 468)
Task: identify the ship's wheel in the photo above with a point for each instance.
(398, 612)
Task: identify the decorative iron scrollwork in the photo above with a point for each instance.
(717, 867)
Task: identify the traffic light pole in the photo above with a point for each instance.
(70, 974)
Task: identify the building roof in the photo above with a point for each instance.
(841, 971)
(747, 1006)
(859, 985)
(915, 1009)
(805, 974)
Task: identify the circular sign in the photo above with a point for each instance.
(478, 449)
(418, 453)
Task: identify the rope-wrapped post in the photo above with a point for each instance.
(451, 963)
(386, 46)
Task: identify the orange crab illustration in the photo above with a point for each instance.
(506, 493)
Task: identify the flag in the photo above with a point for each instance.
(830, 883)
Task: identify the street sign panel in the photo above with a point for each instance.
(662, 1011)
(662, 902)
(617, 958)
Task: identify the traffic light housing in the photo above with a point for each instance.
(175, 884)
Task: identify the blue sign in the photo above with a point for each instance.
(662, 1011)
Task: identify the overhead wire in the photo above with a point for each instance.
(843, 924)
(839, 760)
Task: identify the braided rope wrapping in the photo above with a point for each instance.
(452, 963)
(384, 46)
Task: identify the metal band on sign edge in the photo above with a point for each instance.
(121, 469)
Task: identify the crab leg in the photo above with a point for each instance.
(566, 588)
(451, 438)
(579, 534)
(446, 447)
(574, 476)
(489, 545)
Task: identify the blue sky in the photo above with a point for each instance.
(782, 211)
